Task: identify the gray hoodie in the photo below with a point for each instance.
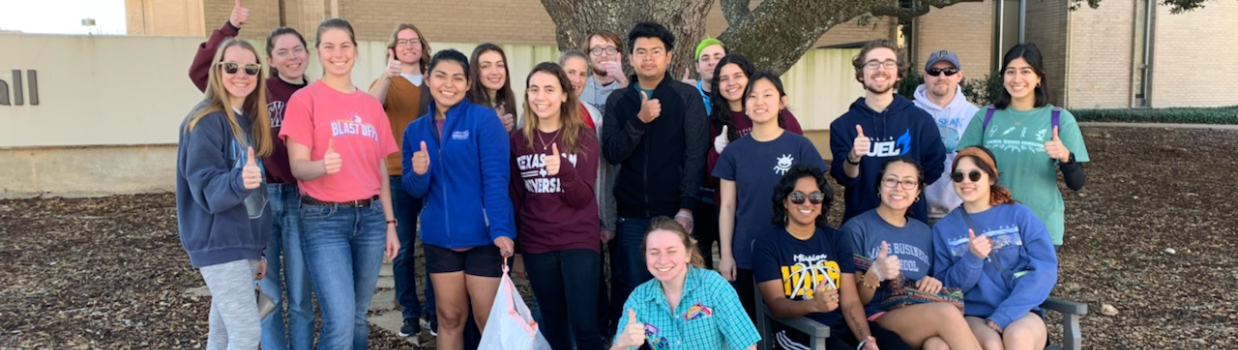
(951, 122)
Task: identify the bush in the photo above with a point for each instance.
(907, 86)
(983, 91)
(1202, 115)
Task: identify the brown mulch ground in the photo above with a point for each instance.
(109, 273)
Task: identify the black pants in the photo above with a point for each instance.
(565, 284)
(746, 289)
(705, 220)
(840, 338)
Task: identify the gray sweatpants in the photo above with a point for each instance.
(234, 323)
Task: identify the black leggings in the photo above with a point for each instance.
(840, 338)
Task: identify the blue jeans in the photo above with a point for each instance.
(286, 267)
(564, 283)
(404, 267)
(344, 248)
(627, 262)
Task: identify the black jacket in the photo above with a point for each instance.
(662, 162)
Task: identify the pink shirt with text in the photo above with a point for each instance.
(318, 114)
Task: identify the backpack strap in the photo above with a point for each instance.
(1056, 117)
(988, 115)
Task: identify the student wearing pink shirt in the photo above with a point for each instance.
(338, 140)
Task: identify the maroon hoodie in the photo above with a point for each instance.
(278, 93)
(555, 212)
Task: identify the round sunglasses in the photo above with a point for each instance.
(973, 175)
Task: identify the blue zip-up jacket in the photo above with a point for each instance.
(1019, 272)
(901, 130)
(211, 214)
(465, 190)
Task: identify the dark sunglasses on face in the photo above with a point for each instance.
(233, 67)
(798, 197)
(973, 175)
(939, 71)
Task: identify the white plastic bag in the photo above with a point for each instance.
(511, 325)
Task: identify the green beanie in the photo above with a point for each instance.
(705, 43)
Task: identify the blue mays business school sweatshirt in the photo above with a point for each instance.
(1020, 270)
(211, 214)
(467, 203)
(901, 130)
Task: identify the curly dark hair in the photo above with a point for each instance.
(786, 186)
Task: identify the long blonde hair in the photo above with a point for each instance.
(570, 125)
(255, 104)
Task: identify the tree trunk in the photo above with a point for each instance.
(773, 36)
(574, 19)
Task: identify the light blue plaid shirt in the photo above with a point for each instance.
(709, 315)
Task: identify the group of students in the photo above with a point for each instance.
(300, 184)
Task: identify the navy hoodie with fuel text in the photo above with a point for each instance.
(902, 129)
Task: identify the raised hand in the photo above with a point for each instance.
(509, 121)
(239, 15)
(722, 140)
(861, 145)
(393, 65)
(633, 334)
(649, 109)
(421, 160)
(886, 265)
(687, 78)
(330, 160)
(552, 161)
(251, 175)
(1055, 149)
(979, 246)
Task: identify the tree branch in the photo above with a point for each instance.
(735, 11)
(918, 8)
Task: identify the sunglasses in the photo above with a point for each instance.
(973, 175)
(939, 71)
(798, 197)
(233, 67)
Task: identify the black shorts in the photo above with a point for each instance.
(484, 261)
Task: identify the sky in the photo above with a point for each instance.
(63, 16)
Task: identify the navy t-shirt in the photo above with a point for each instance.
(912, 243)
(802, 264)
(756, 167)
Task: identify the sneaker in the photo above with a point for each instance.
(430, 323)
(410, 329)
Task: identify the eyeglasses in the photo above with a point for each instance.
(609, 50)
(233, 67)
(874, 64)
(413, 42)
(939, 71)
(905, 184)
(973, 175)
(798, 197)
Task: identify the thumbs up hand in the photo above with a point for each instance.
(239, 15)
(722, 140)
(826, 298)
(330, 160)
(552, 161)
(1055, 149)
(421, 160)
(980, 246)
(633, 334)
(649, 109)
(861, 145)
(886, 265)
(393, 65)
(251, 175)
(687, 77)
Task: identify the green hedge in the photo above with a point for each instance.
(1215, 115)
(980, 91)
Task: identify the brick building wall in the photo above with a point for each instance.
(963, 29)
(1048, 27)
(1102, 56)
(164, 18)
(1195, 65)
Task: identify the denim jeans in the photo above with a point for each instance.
(565, 284)
(404, 268)
(627, 262)
(344, 250)
(286, 268)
